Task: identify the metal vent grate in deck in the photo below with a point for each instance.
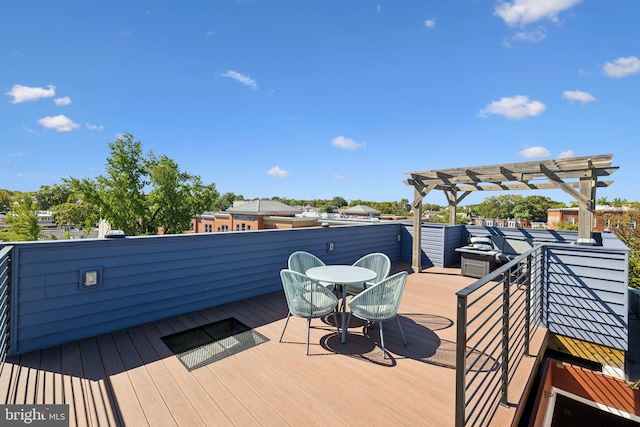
(200, 346)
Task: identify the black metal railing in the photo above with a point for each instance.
(5, 303)
(496, 319)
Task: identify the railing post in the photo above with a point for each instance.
(461, 360)
(506, 280)
(541, 284)
(6, 255)
(527, 320)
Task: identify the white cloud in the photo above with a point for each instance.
(94, 127)
(346, 143)
(378, 8)
(430, 23)
(338, 177)
(59, 123)
(522, 12)
(578, 95)
(535, 36)
(517, 107)
(25, 93)
(245, 80)
(622, 67)
(566, 154)
(280, 173)
(62, 101)
(27, 129)
(535, 152)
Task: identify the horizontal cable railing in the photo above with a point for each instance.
(5, 280)
(497, 316)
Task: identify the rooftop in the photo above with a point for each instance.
(87, 319)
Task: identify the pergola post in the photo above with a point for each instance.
(416, 253)
(586, 210)
(453, 204)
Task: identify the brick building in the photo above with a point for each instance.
(252, 215)
(604, 218)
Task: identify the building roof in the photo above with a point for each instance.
(263, 207)
(361, 210)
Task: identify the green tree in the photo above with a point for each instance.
(618, 202)
(224, 202)
(120, 194)
(497, 206)
(23, 223)
(532, 208)
(567, 226)
(5, 201)
(626, 227)
(325, 209)
(78, 213)
(338, 201)
(51, 196)
(176, 196)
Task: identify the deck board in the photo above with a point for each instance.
(129, 377)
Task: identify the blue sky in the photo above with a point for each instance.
(310, 99)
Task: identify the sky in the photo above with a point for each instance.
(316, 99)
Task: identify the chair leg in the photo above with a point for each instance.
(401, 331)
(335, 319)
(308, 333)
(285, 326)
(384, 353)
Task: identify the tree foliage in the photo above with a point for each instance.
(338, 201)
(5, 201)
(78, 213)
(533, 208)
(225, 201)
(141, 194)
(23, 223)
(46, 196)
(625, 226)
(176, 196)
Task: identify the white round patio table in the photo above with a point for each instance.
(342, 275)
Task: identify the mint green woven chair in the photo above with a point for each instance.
(301, 261)
(380, 302)
(307, 298)
(377, 262)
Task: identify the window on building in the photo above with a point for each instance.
(225, 228)
(248, 227)
(191, 226)
(571, 220)
(208, 228)
(237, 227)
(632, 225)
(607, 223)
(244, 226)
(218, 229)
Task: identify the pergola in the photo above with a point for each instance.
(577, 176)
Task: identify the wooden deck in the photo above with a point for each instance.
(131, 378)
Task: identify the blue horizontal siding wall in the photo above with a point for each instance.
(586, 294)
(149, 278)
(438, 244)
